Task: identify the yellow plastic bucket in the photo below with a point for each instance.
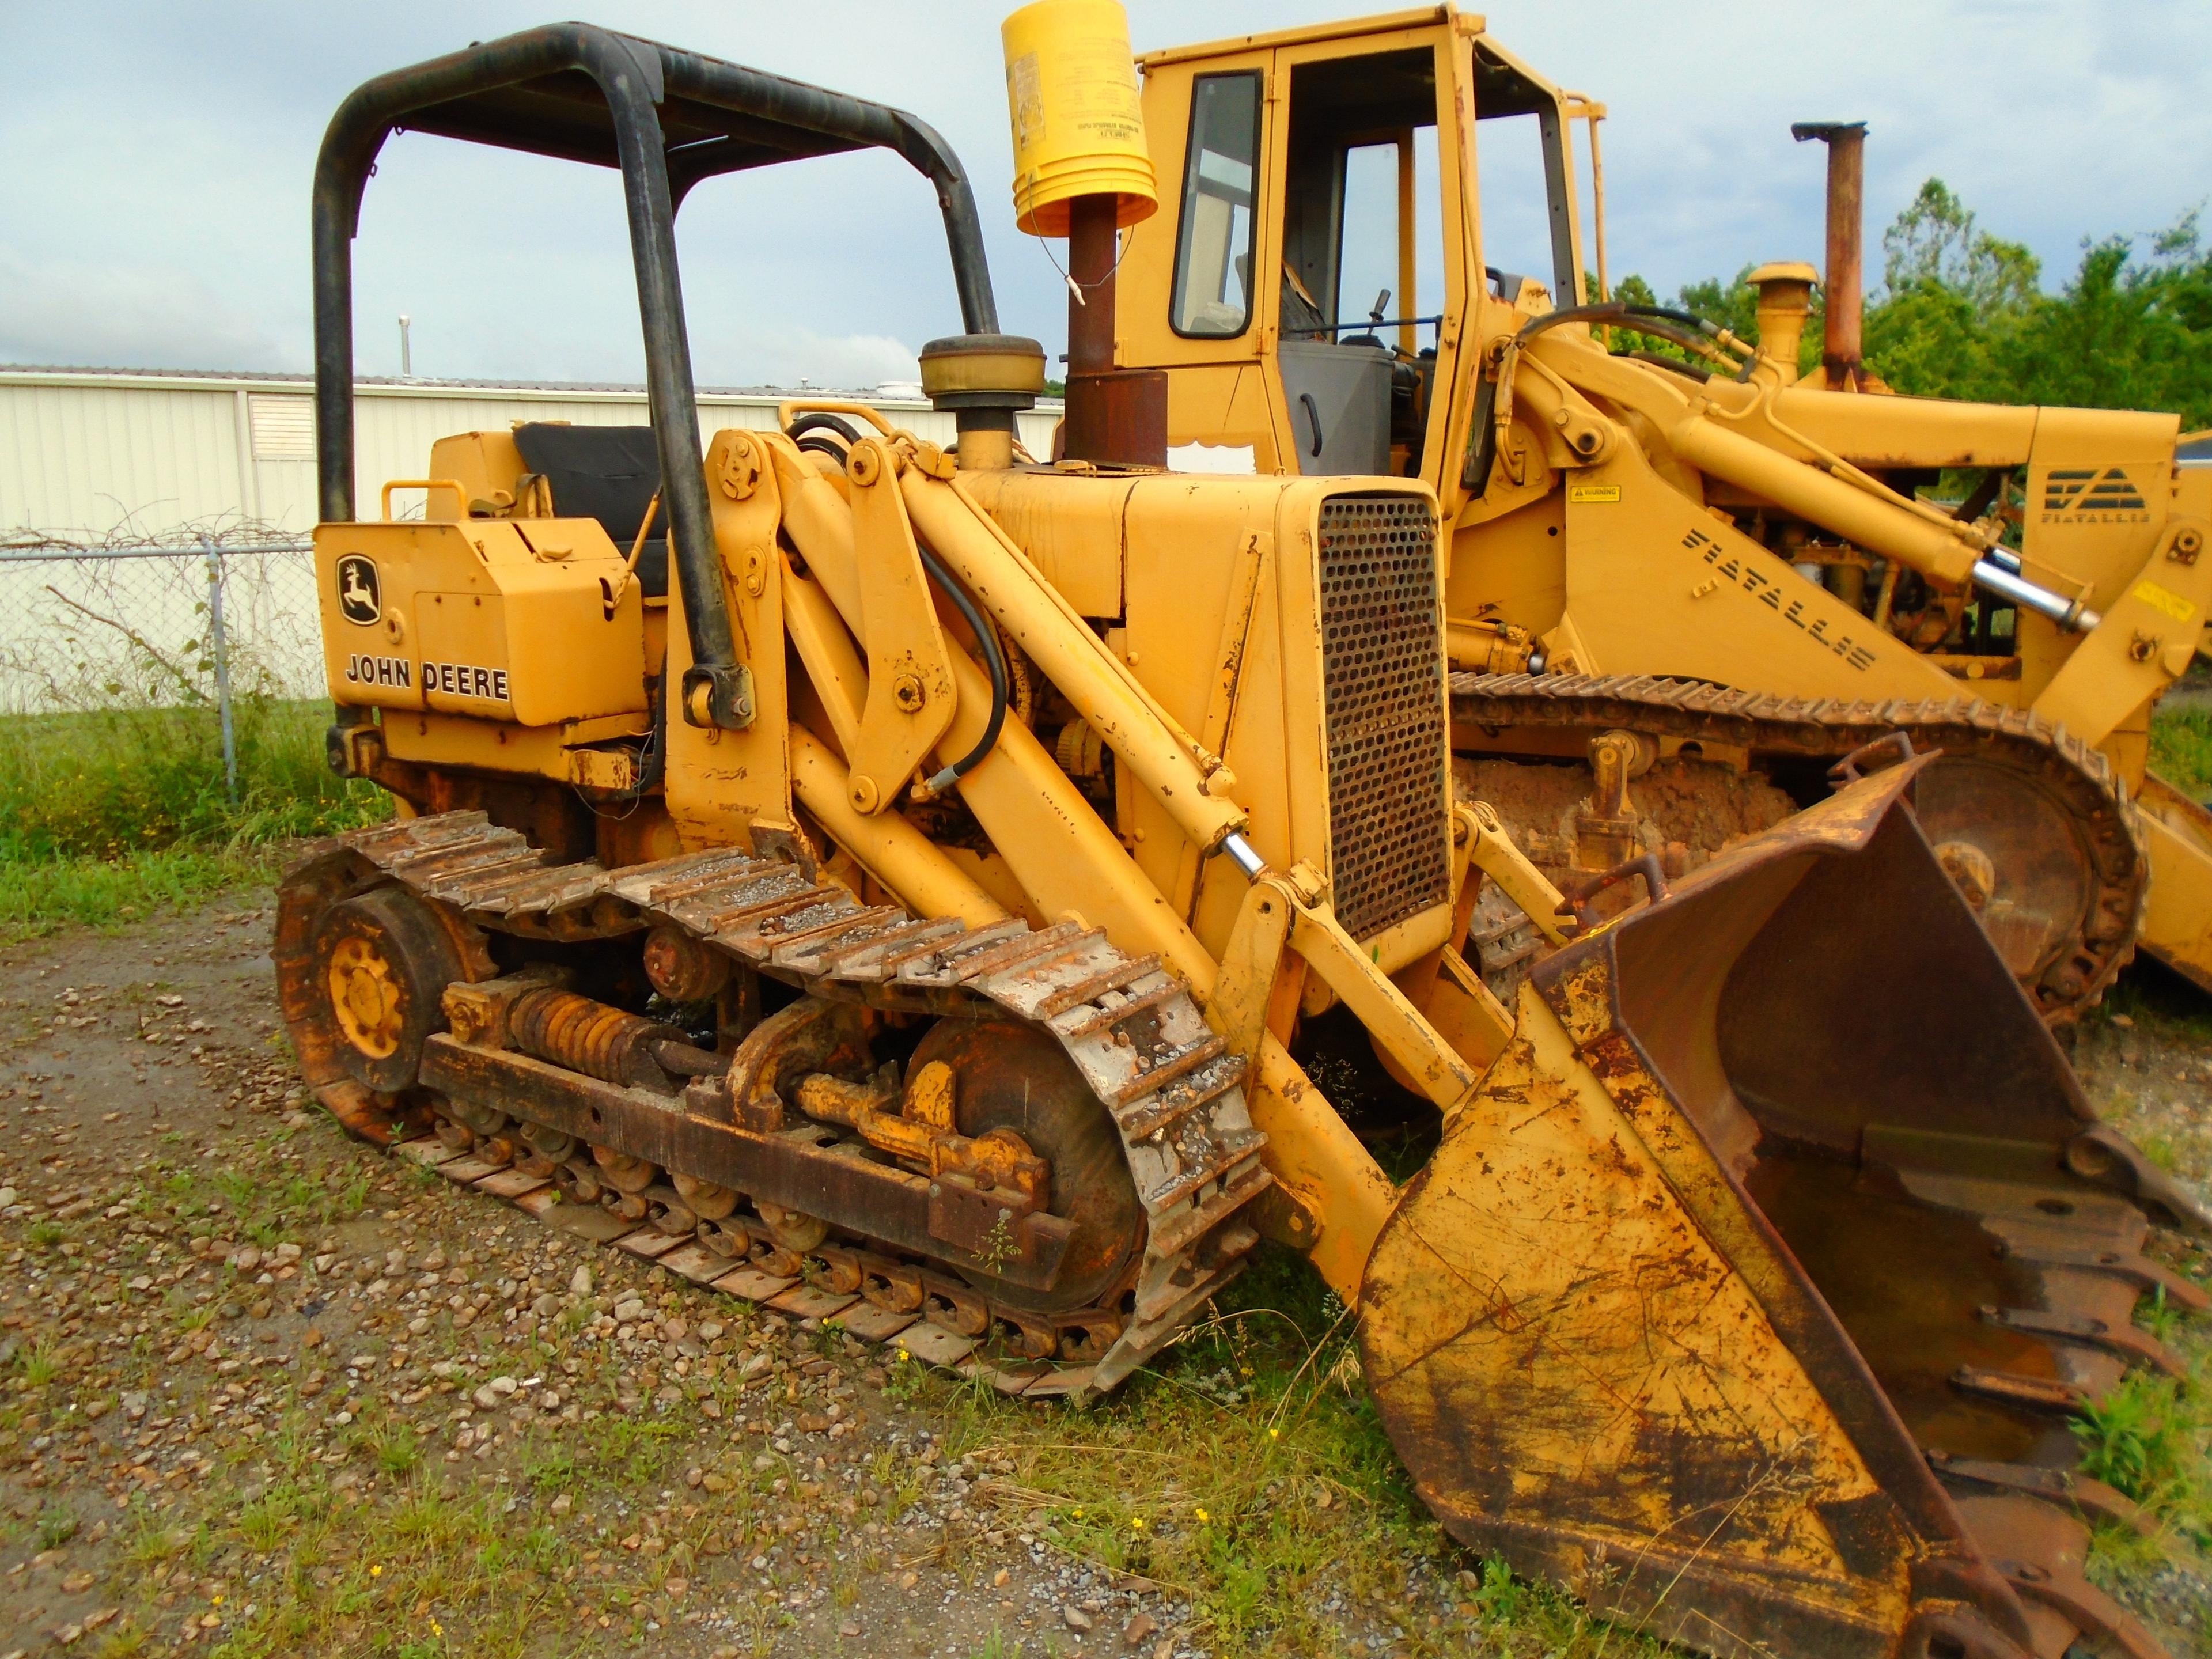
(1078, 127)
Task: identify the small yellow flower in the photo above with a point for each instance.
(436, 1629)
(376, 1572)
(1137, 1521)
(904, 1356)
(1077, 1514)
(1275, 1434)
(218, 1600)
(1202, 1515)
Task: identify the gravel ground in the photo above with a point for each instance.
(263, 1392)
(220, 1322)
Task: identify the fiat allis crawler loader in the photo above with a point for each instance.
(901, 882)
(1679, 590)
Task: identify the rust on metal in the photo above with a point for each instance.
(2045, 813)
(1740, 1275)
(1145, 1185)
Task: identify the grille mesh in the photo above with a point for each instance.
(1382, 679)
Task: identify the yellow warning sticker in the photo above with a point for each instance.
(2161, 598)
(1579, 494)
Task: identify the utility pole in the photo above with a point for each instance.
(406, 357)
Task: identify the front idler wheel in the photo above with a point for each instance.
(361, 970)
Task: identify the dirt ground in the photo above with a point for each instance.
(262, 1391)
(219, 1318)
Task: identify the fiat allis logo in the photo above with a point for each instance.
(2092, 494)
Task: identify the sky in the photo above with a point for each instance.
(155, 162)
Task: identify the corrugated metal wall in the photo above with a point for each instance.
(83, 455)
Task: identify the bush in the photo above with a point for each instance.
(107, 784)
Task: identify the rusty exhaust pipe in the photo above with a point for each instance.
(1116, 417)
(1842, 345)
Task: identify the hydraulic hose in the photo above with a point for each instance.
(1494, 400)
(808, 431)
(994, 659)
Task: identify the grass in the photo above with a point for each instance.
(108, 815)
(1248, 1471)
(2138, 1439)
(2181, 749)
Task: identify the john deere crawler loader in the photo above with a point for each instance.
(1678, 589)
(895, 881)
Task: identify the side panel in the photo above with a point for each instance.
(484, 617)
(1657, 585)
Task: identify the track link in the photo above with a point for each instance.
(1828, 729)
(1128, 1023)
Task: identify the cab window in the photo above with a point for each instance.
(1526, 209)
(1212, 297)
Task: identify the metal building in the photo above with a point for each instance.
(85, 453)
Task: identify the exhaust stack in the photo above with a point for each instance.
(1081, 171)
(1842, 347)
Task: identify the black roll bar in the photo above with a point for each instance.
(667, 120)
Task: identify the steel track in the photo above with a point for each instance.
(2043, 754)
(1130, 1026)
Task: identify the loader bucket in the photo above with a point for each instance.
(1749, 1294)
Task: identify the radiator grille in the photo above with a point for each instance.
(1382, 680)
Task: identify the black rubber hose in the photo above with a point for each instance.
(1481, 452)
(821, 420)
(821, 433)
(993, 658)
(1675, 365)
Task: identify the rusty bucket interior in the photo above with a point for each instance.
(1753, 1293)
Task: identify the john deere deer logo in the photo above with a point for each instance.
(357, 595)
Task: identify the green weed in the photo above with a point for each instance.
(398, 1449)
(2181, 749)
(56, 1527)
(108, 815)
(109, 782)
(264, 1523)
(40, 1366)
(2133, 1439)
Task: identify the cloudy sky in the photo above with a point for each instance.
(154, 161)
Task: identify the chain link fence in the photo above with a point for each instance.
(208, 625)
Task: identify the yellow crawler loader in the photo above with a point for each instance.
(1679, 589)
(896, 883)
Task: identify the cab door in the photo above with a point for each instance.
(1303, 281)
(1187, 293)
(1367, 294)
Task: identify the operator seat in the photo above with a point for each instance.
(611, 473)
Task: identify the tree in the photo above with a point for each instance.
(1962, 314)
(1935, 245)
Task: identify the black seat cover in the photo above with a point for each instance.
(604, 472)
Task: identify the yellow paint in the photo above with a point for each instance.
(466, 618)
(1609, 592)
(2165, 601)
(1546, 1278)
(1079, 129)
